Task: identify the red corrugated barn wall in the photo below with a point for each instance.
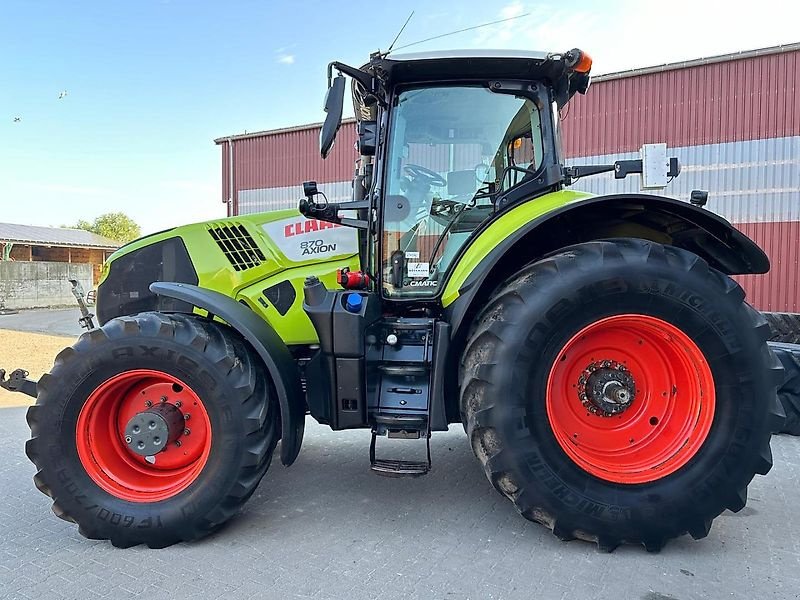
(277, 162)
(736, 126)
(733, 121)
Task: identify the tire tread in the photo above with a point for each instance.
(236, 361)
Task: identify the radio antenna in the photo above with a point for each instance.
(399, 33)
(436, 37)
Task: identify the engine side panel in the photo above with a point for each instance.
(279, 299)
(260, 260)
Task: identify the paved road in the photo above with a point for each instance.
(61, 321)
(328, 528)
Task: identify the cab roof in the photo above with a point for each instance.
(466, 64)
(439, 54)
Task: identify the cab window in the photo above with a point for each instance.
(451, 150)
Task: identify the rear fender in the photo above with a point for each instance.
(267, 343)
(663, 220)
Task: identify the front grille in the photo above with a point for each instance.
(238, 245)
(126, 290)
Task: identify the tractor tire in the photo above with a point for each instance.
(621, 392)
(789, 391)
(785, 327)
(82, 447)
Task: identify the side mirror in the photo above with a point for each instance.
(334, 103)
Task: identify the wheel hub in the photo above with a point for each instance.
(606, 388)
(149, 432)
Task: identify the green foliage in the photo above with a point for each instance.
(116, 226)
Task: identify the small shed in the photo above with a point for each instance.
(30, 243)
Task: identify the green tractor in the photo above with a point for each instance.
(611, 379)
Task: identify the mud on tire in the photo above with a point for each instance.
(218, 366)
(523, 329)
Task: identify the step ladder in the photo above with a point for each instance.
(404, 428)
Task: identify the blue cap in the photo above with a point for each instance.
(353, 303)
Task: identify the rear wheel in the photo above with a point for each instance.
(621, 391)
(153, 429)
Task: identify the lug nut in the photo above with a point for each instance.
(178, 443)
(163, 399)
(186, 417)
(148, 403)
(128, 439)
(178, 404)
(186, 431)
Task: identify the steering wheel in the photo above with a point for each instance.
(444, 208)
(425, 175)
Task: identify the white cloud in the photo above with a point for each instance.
(285, 55)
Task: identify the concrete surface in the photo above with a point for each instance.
(40, 284)
(328, 528)
(61, 321)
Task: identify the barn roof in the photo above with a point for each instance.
(54, 236)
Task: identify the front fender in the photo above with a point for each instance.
(273, 352)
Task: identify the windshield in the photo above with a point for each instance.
(452, 149)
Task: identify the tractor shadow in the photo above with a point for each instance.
(331, 485)
(331, 494)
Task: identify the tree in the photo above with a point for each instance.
(117, 226)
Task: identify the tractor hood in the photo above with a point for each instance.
(226, 255)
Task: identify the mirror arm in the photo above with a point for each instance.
(366, 80)
(360, 76)
(621, 169)
(329, 211)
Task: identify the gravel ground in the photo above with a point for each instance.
(58, 321)
(328, 528)
(33, 352)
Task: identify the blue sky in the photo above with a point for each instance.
(150, 84)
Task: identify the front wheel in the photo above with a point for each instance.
(621, 391)
(153, 429)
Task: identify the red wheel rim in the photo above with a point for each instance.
(671, 411)
(107, 459)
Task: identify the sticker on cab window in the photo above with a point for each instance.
(418, 269)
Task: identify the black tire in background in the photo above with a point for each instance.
(789, 390)
(785, 327)
(521, 331)
(221, 369)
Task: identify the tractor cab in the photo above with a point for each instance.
(446, 141)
